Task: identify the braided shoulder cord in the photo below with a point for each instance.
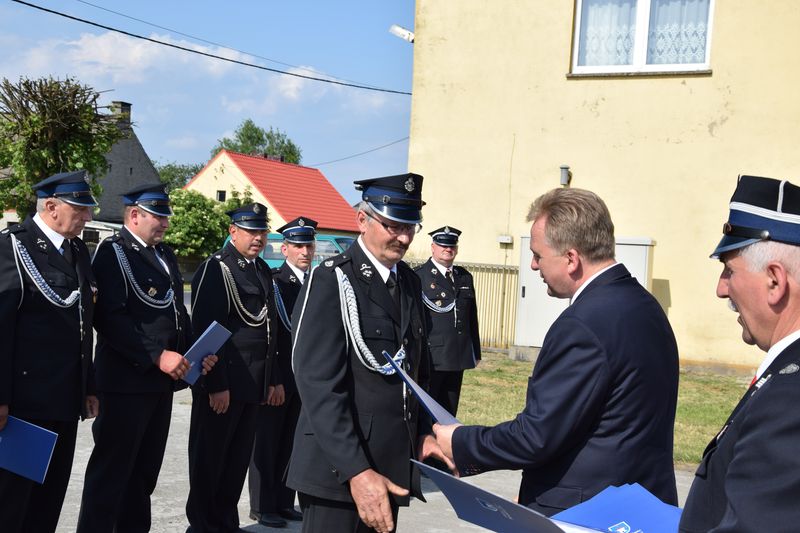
(285, 318)
(435, 308)
(122, 259)
(352, 323)
(39, 281)
(254, 321)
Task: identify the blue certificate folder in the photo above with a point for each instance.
(482, 508)
(26, 449)
(434, 408)
(209, 343)
(624, 509)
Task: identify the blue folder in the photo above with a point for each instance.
(209, 343)
(624, 509)
(434, 408)
(26, 449)
(482, 508)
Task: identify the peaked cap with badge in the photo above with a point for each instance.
(152, 197)
(301, 230)
(70, 187)
(446, 236)
(747, 478)
(397, 198)
(251, 216)
(761, 209)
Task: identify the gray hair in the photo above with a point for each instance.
(761, 253)
(576, 218)
(41, 203)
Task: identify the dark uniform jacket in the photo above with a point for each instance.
(354, 418)
(453, 336)
(46, 359)
(132, 333)
(289, 288)
(749, 478)
(245, 360)
(600, 404)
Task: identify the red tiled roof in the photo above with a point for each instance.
(295, 190)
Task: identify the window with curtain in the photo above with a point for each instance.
(641, 35)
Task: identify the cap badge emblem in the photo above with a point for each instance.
(301, 222)
(409, 185)
(447, 230)
(151, 291)
(257, 209)
(329, 263)
(86, 178)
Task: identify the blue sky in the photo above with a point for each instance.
(183, 103)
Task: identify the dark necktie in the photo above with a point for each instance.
(151, 251)
(449, 275)
(66, 251)
(394, 288)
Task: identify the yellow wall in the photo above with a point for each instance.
(494, 115)
(223, 174)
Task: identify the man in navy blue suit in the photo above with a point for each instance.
(600, 405)
(748, 479)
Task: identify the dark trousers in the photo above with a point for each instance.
(445, 388)
(25, 505)
(130, 435)
(271, 454)
(329, 516)
(219, 452)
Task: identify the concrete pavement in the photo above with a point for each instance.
(169, 499)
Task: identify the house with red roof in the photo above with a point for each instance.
(288, 190)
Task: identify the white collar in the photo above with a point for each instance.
(442, 269)
(52, 235)
(776, 350)
(382, 270)
(588, 281)
(138, 239)
(297, 272)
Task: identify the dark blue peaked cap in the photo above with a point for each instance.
(70, 187)
(397, 198)
(152, 197)
(299, 231)
(251, 216)
(446, 236)
(761, 209)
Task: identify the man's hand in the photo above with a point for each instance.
(173, 364)
(428, 447)
(370, 492)
(208, 363)
(3, 416)
(444, 438)
(276, 395)
(92, 406)
(219, 401)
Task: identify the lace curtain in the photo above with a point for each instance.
(676, 35)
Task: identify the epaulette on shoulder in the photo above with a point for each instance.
(16, 228)
(336, 261)
(219, 255)
(275, 271)
(113, 238)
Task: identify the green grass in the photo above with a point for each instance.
(495, 392)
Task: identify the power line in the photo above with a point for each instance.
(213, 56)
(358, 154)
(202, 40)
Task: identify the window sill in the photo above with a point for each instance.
(643, 74)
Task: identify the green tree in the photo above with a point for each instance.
(251, 139)
(48, 126)
(200, 224)
(176, 175)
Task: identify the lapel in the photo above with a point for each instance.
(615, 273)
(371, 282)
(132, 243)
(41, 247)
(406, 297)
(443, 285)
(244, 274)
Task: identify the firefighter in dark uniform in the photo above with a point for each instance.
(358, 425)
(271, 501)
(142, 331)
(46, 310)
(233, 287)
(448, 293)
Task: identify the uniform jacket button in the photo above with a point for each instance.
(377, 332)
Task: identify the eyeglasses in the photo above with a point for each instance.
(397, 229)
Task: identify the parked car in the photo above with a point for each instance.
(327, 246)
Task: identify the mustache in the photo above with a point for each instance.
(732, 306)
